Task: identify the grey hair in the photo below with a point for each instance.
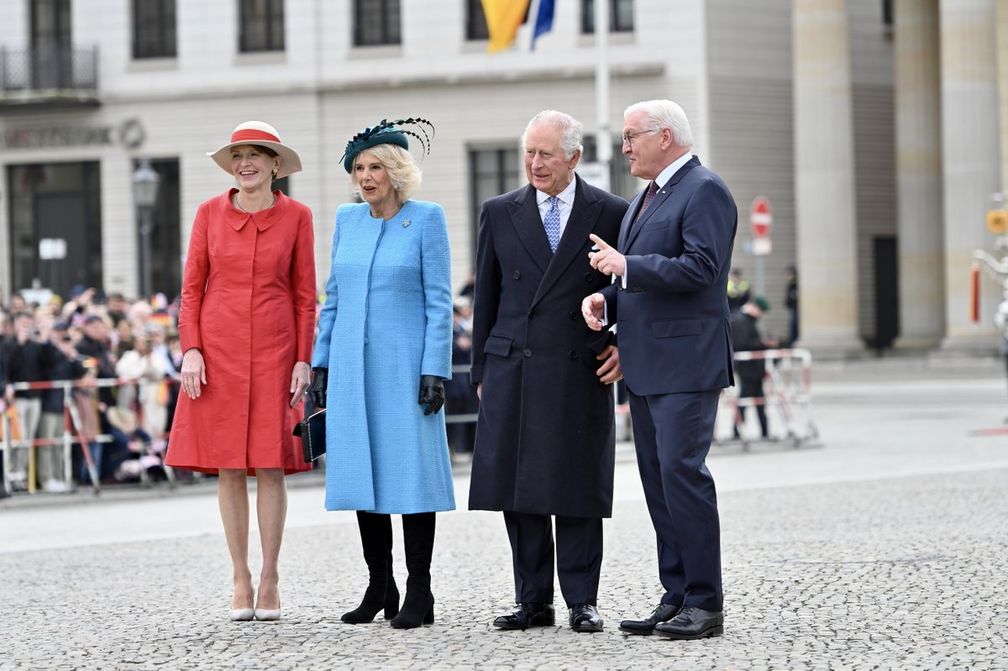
(665, 114)
(402, 170)
(571, 130)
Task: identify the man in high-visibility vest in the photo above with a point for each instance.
(738, 291)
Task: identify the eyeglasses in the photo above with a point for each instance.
(628, 138)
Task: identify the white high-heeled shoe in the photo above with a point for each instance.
(242, 614)
(267, 614)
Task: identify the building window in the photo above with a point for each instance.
(620, 16)
(476, 25)
(54, 203)
(376, 22)
(261, 25)
(165, 237)
(153, 28)
(491, 173)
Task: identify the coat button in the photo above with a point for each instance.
(573, 314)
(588, 277)
(516, 274)
(532, 314)
(527, 352)
(572, 354)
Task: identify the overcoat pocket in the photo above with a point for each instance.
(497, 345)
(675, 328)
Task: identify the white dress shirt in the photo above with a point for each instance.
(565, 203)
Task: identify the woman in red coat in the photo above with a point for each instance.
(246, 325)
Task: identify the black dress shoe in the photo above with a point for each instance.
(527, 615)
(693, 622)
(663, 613)
(584, 617)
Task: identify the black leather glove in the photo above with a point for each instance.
(317, 388)
(432, 393)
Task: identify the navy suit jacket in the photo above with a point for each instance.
(673, 332)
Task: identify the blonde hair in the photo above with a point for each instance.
(401, 168)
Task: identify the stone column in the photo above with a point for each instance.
(971, 162)
(919, 174)
(1002, 70)
(824, 178)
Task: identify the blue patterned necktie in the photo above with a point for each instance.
(551, 222)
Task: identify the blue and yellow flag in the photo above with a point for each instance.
(503, 18)
(544, 20)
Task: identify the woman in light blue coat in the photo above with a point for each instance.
(381, 357)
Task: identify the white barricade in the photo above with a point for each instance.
(76, 431)
(786, 396)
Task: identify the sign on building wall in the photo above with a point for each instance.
(130, 133)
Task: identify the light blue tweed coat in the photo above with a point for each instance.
(387, 320)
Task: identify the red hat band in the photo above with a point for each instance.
(252, 134)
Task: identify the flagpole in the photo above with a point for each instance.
(603, 141)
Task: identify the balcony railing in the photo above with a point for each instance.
(49, 75)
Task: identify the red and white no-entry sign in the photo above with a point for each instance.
(760, 217)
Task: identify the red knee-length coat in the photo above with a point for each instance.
(248, 304)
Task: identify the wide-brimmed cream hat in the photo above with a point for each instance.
(262, 134)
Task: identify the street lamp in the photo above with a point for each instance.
(145, 188)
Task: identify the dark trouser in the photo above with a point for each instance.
(753, 388)
(578, 557)
(673, 433)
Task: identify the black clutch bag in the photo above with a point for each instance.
(311, 431)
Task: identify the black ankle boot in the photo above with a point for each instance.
(381, 592)
(418, 606)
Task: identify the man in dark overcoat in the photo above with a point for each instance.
(545, 436)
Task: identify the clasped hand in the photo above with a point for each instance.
(432, 393)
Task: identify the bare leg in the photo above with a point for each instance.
(232, 497)
(271, 508)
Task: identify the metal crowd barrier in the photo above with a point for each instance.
(787, 391)
(74, 433)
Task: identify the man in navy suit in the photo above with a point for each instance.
(670, 268)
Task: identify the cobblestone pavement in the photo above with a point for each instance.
(886, 548)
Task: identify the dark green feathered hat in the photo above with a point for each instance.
(388, 132)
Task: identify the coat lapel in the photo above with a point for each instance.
(628, 219)
(528, 225)
(656, 202)
(584, 214)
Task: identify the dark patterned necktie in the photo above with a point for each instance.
(648, 197)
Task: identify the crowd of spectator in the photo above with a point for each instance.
(88, 336)
(93, 336)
